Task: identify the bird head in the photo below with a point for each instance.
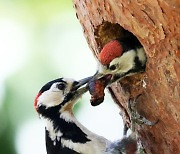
(59, 94)
(121, 57)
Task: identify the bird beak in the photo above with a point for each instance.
(77, 90)
(80, 83)
(99, 75)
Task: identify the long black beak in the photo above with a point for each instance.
(77, 90)
(97, 75)
(80, 83)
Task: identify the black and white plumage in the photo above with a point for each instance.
(129, 58)
(64, 134)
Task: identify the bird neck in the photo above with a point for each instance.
(64, 128)
(66, 133)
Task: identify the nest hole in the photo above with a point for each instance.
(109, 31)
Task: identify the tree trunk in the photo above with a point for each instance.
(156, 23)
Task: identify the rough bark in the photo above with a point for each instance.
(156, 23)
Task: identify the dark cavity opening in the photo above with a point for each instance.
(108, 31)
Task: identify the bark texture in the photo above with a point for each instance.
(156, 23)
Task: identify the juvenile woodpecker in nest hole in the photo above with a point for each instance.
(64, 134)
(121, 57)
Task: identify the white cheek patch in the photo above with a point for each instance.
(50, 98)
(141, 55)
(54, 96)
(124, 63)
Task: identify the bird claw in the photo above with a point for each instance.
(132, 103)
(145, 121)
(136, 117)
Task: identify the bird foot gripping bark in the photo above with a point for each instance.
(135, 117)
(130, 142)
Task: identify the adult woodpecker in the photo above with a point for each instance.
(121, 57)
(64, 134)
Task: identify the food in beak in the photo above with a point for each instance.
(96, 89)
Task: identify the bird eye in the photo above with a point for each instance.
(113, 67)
(61, 86)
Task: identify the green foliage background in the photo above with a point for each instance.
(41, 40)
(21, 86)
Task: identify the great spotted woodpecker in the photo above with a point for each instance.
(121, 57)
(64, 134)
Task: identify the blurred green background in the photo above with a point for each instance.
(40, 41)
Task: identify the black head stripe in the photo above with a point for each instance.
(48, 85)
(67, 98)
